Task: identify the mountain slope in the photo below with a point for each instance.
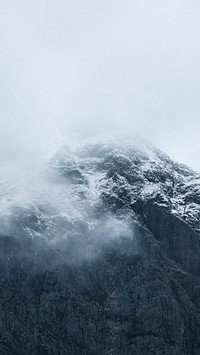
(104, 257)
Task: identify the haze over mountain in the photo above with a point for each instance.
(99, 237)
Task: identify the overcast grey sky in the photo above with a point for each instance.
(77, 68)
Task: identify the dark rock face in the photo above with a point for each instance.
(115, 269)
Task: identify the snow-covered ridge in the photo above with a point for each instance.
(98, 177)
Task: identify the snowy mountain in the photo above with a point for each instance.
(100, 254)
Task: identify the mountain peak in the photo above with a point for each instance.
(110, 241)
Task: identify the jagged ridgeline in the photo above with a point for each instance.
(101, 256)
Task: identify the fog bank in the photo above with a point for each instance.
(71, 70)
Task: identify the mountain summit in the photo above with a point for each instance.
(103, 256)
